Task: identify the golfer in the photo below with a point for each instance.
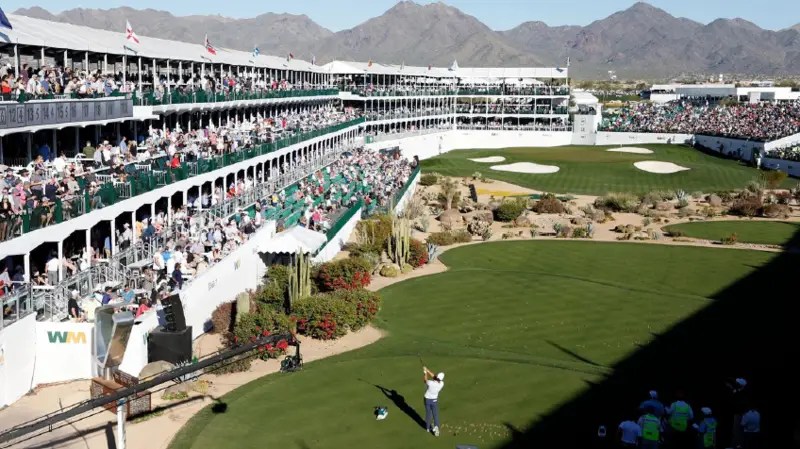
(434, 386)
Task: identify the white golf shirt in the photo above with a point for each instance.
(433, 390)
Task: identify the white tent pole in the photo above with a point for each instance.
(16, 63)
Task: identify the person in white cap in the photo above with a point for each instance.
(706, 430)
(434, 384)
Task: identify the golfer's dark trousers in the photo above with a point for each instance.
(431, 411)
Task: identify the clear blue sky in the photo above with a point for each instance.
(498, 14)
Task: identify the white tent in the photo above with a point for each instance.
(293, 240)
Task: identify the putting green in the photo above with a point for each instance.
(761, 232)
(592, 170)
(520, 328)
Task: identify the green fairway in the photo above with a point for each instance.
(592, 170)
(762, 232)
(520, 328)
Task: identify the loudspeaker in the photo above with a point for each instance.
(172, 347)
(173, 313)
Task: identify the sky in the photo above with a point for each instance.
(497, 14)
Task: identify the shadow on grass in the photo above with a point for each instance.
(749, 330)
(572, 354)
(399, 401)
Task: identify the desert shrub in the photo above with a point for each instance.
(373, 233)
(418, 253)
(682, 203)
(563, 232)
(580, 233)
(324, 316)
(509, 210)
(684, 212)
(696, 196)
(222, 318)
(726, 195)
(273, 292)
(675, 232)
(424, 224)
(428, 179)
(486, 235)
(264, 321)
(549, 205)
(389, 271)
(407, 268)
(441, 238)
(462, 236)
(776, 211)
(746, 206)
(617, 202)
(413, 208)
(646, 221)
(367, 304)
(755, 187)
(477, 175)
(343, 274)
(773, 178)
(729, 239)
(783, 197)
(709, 212)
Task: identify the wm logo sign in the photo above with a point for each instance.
(66, 337)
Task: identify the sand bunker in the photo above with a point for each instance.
(526, 167)
(661, 168)
(633, 150)
(489, 160)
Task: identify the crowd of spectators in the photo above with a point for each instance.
(194, 241)
(52, 81)
(37, 188)
(760, 121)
(787, 153)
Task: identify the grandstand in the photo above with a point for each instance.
(115, 153)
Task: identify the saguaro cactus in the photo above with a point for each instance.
(242, 305)
(399, 244)
(299, 278)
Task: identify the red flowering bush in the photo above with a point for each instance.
(264, 321)
(367, 304)
(325, 316)
(418, 253)
(344, 274)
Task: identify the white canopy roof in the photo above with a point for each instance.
(57, 35)
(378, 68)
(292, 240)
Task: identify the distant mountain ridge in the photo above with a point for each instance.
(639, 42)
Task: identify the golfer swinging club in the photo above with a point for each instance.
(435, 385)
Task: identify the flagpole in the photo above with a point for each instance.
(124, 68)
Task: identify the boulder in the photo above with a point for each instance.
(522, 222)
(155, 368)
(714, 200)
(579, 221)
(664, 206)
(451, 218)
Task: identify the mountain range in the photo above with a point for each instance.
(639, 42)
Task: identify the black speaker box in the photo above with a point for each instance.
(172, 347)
(473, 194)
(174, 319)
